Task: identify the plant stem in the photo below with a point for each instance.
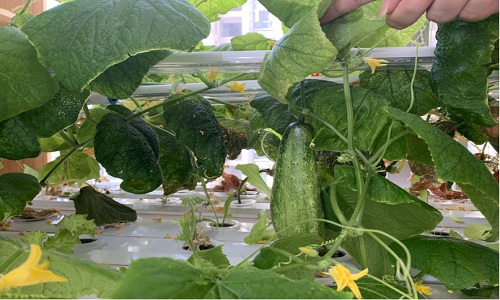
(25, 7)
(66, 138)
(87, 114)
(63, 159)
(204, 184)
(335, 206)
(350, 146)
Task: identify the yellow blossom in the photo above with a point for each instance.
(212, 74)
(237, 87)
(423, 289)
(343, 278)
(97, 231)
(308, 251)
(30, 272)
(271, 42)
(159, 219)
(167, 236)
(374, 63)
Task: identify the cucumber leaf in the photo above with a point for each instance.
(103, 33)
(250, 41)
(290, 11)
(213, 8)
(24, 83)
(276, 114)
(214, 256)
(303, 50)
(395, 86)
(363, 28)
(79, 166)
(170, 278)
(389, 208)
(458, 165)
(326, 101)
(121, 80)
(177, 164)
(57, 114)
(84, 277)
(53, 143)
(456, 263)
(259, 229)
(16, 189)
(460, 70)
(282, 249)
(101, 208)
(17, 140)
(254, 178)
(128, 149)
(194, 124)
(378, 260)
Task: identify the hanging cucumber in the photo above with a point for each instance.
(296, 190)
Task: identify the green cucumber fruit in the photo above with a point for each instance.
(296, 190)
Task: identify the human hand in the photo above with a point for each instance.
(403, 13)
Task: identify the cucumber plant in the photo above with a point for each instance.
(351, 130)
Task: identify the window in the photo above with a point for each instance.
(230, 29)
(262, 20)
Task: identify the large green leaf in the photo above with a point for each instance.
(121, 80)
(16, 189)
(369, 254)
(17, 141)
(303, 50)
(280, 252)
(276, 114)
(84, 277)
(195, 125)
(291, 11)
(177, 164)
(457, 263)
(455, 163)
(53, 143)
(213, 8)
(101, 208)
(387, 208)
(79, 166)
(363, 28)
(395, 85)
(170, 278)
(128, 149)
(214, 256)
(101, 33)
(460, 70)
(250, 41)
(24, 83)
(57, 114)
(326, 100)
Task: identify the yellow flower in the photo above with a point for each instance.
(212, 74)
(308, 251)
(271, 42)
(343, 278)
(159, 219)
(423, 289)
(374, 63)
(30, 272)
(237, 87)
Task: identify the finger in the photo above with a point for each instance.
(443, 11)
(407, 12)
(477, 10)
(340, 7)
(388, 7)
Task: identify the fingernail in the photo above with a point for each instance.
(384, 7)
